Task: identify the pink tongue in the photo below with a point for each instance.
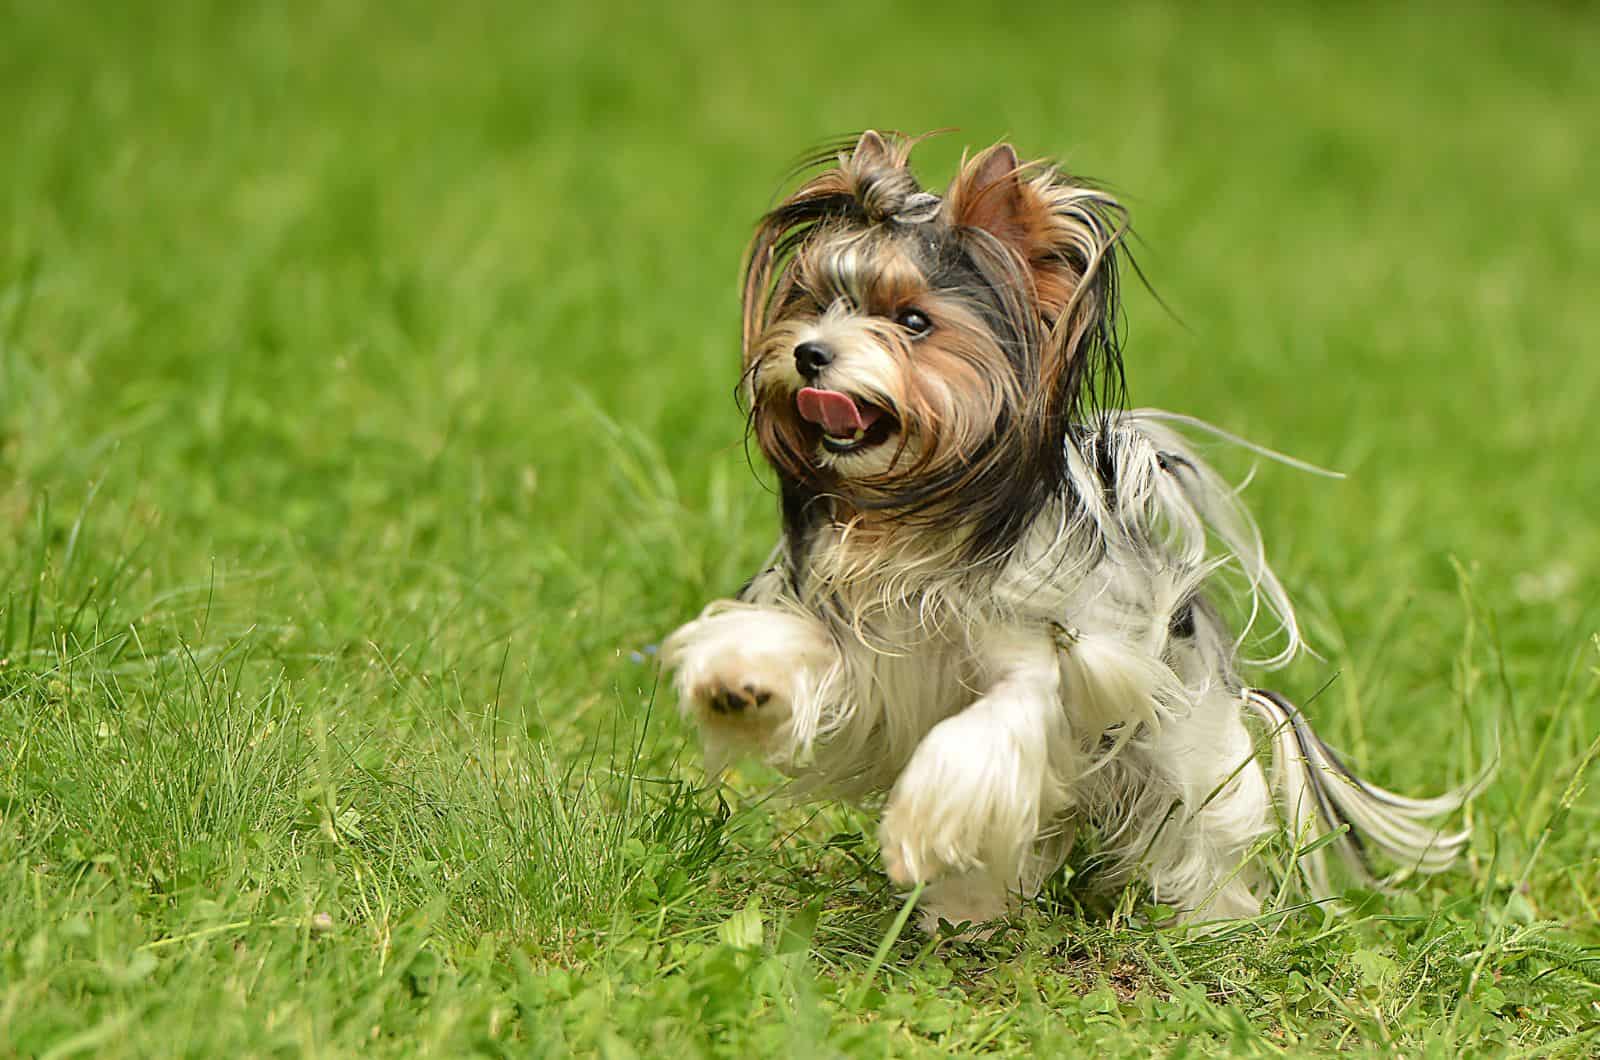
(836, 413)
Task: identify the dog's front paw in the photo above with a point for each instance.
(976, 900)
(927, 837)
(736, 711)
(742, 673)
(739, 699)
(735, 697)
(967, 802)
(725, 699)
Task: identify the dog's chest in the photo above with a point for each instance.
(908, 674)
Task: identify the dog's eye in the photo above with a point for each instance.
(914, 321)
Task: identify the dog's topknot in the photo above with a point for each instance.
(880, 179)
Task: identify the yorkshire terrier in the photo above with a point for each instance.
(994, 605)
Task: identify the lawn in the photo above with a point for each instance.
(366, 413)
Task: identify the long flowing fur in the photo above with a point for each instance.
(998, 611)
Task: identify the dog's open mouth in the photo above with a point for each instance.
(848, 425)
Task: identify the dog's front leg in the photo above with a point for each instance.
(967, 810)
(754, 678)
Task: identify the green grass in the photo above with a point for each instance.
(365, 378)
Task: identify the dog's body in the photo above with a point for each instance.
(992, 601)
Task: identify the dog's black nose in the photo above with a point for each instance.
(811, 358)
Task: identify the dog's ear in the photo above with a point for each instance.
(996, 195)
(1062, 237)
(989, 193)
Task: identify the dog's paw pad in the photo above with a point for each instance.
(723, 699)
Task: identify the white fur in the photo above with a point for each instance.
(999, 715)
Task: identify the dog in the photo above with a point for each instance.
(997, 605)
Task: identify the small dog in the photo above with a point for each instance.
(994, 596)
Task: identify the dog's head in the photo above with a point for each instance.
(916, 355)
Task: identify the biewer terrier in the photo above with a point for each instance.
(994, 605)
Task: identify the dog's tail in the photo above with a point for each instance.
(1327, 805)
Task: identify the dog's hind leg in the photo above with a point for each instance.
(1199, 857)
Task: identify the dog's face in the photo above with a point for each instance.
(889, 356)
(903, 350)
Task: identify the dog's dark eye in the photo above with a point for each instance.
(914, 321)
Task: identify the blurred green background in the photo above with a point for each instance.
(382, 355)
